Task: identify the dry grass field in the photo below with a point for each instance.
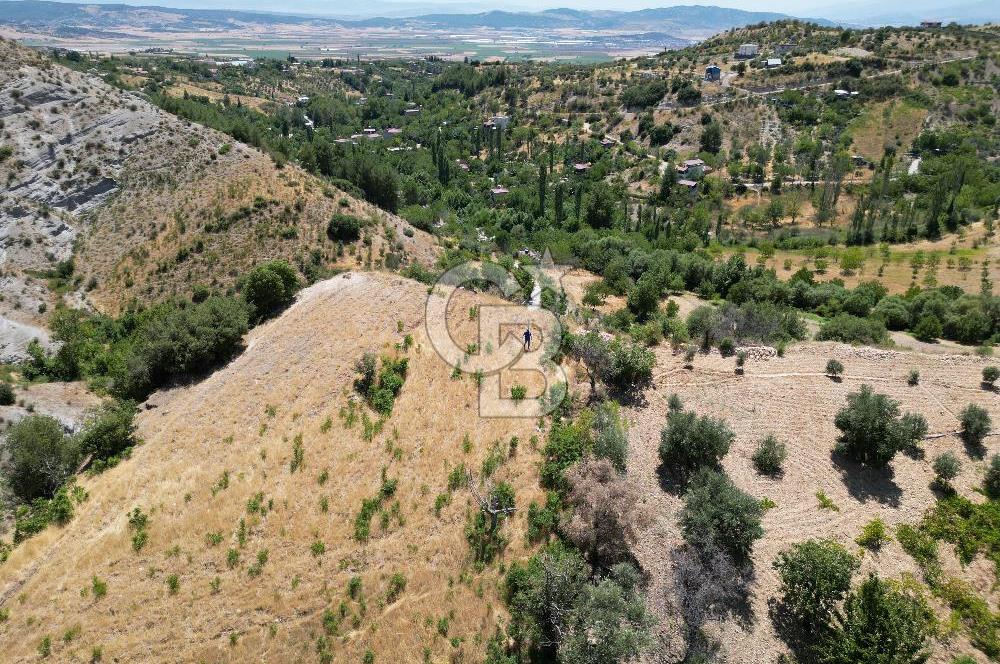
(791, 398)
(210, 447)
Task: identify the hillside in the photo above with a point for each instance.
(153, 205)
(242, 424)
(791, 398)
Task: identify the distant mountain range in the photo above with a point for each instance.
(682, 18)
(685, 20)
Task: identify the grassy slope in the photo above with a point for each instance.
(300, 364)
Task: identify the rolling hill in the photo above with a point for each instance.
(153, 204)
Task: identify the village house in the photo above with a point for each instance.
(713, 73)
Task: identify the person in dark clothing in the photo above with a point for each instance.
(527, 338)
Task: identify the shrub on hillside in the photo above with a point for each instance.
(976, 426)
(853, 330)
(343, 228)
(270, 287)
(834, 368)
(872, 430)
(689, 442)
(879, 623)
(815, 576)
(171, 342)
(41, 457)
(109, 430)
(7, 396)
(716, 510)
(991, 481)
(555, 605)
(769, 456)
(946, 467)
(990, 376)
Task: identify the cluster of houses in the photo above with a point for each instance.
(750, 51)
(370, 134)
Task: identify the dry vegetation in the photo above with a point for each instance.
(242, 424)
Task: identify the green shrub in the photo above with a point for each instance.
(946, 467)
(853, 330)
(689, 442)
(769, 456)
(878, 624)
(815, 576)
(990, 376)
(343, 228)
(397, 584)
(834, 368)
(976, 425)
(716, 510)
(873, 535)
(872, 431)
(109, 430)
(913, 378)
(727, 347)
(7, 396)
(269, 287)
(928, 329)
(991, 481)
(41, 457)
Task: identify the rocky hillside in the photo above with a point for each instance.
(252, 482)
(154, 204)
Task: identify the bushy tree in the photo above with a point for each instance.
(878, 624)
(618, 364)
(689, 442)
(872, 431)
(990, 376)
(270, 287)
(559, 610)
(7, 396)
(172, 342)
(715, 509)
(991, 481)
(610, 439)
(644, 297)
(41, 457)
(946, 467)
(343, 228)
(834, 368)
(109, 430)
(815, 576)
(711, 138)
(976, 426)
(630, 365)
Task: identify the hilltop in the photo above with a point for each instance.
(152, 205)
(210, 448)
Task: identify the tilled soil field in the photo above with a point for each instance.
(791, 398)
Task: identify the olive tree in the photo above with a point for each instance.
(689, 442)
(41, 457)
(872, 430)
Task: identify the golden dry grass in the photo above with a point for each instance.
(893, 122)
(299, 365)
(177, 185)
